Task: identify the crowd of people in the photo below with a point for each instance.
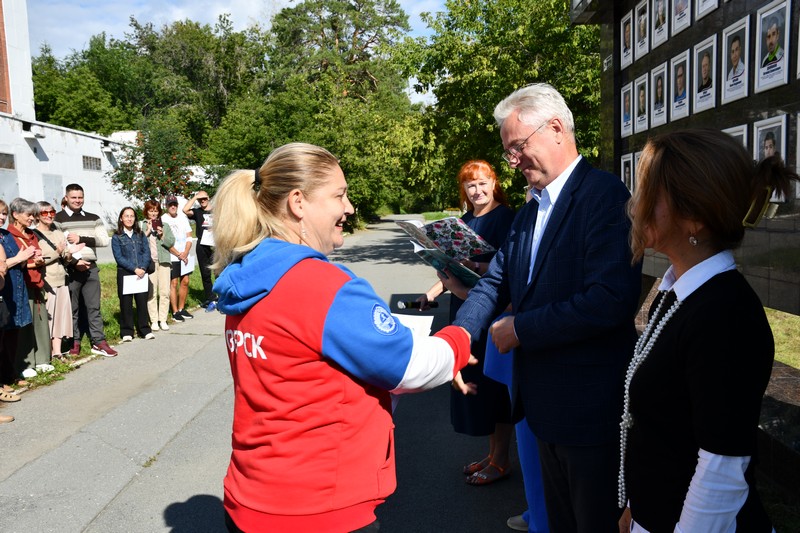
(50, 280)
(616, 432)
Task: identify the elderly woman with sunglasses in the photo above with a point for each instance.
(55, 252)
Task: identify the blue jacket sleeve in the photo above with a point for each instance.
(118, 249)
(143, 258)
(362, 336)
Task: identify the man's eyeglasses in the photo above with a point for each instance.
(512, 154)
(48, 213)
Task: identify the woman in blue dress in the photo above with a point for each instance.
(489, 411)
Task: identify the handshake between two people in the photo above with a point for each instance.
(504, 339)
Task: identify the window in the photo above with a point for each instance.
(7, 161)
(91, 163)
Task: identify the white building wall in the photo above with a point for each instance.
(18, 51)
(48, 158)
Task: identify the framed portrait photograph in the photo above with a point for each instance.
(680, 80)
(626, 38)
(772, 42)
(641, 108)
(704, 7)
(735, 72)
(626, 171)
(739, 133)
(626, 124)
(705, 94)
(769, 137)
(660, 29)
(642, 26)
(681, 15)
(658, 92)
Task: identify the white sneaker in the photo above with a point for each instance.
(29, 373)
(517, 523)
(127, 338)
(45, 368)
(164, 326)
(154, 326)
(149, 336)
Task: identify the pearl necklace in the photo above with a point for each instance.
(640, 353)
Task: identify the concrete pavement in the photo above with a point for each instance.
(141, 442)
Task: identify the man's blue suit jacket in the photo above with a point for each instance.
(575, 320)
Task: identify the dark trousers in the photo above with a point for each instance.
(126, 308)
(205, 256)
(84, 289)
(580, 487)
(9, 373)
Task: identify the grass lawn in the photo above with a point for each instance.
(786, 330)
(109, 303)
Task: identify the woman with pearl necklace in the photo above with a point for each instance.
(694, 385)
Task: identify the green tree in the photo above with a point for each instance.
(244, 138)
(125, 74)
(199, 69)
(158, 162)
(83, 104)
(48, 74)
(332, 81)
(482, 50)
(342, 40)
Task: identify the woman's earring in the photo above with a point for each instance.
(692, 240)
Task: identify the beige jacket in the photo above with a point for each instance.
(55, 274)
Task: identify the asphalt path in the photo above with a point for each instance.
(141, 442)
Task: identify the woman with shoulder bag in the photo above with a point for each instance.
(132, 254)
(55, 252)
(160, 239)
(15, 297)
(5, 316)
(33, 347)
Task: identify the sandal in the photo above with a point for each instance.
(490, 474)
(473, 468)
(7, 388)
(8, 397)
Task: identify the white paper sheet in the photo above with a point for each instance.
(134, 284)
(188, 266)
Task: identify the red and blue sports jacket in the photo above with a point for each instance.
(314, 355)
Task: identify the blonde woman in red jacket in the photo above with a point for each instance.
(314, 353)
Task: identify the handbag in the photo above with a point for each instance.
(5, 316)
(42, 237)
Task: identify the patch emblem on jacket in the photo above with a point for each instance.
(383, 320)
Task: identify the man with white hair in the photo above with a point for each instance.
(567, 273)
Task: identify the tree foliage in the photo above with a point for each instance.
(329, 72)
(158, 162)
(482, 50)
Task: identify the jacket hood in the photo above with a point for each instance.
(243, 283)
